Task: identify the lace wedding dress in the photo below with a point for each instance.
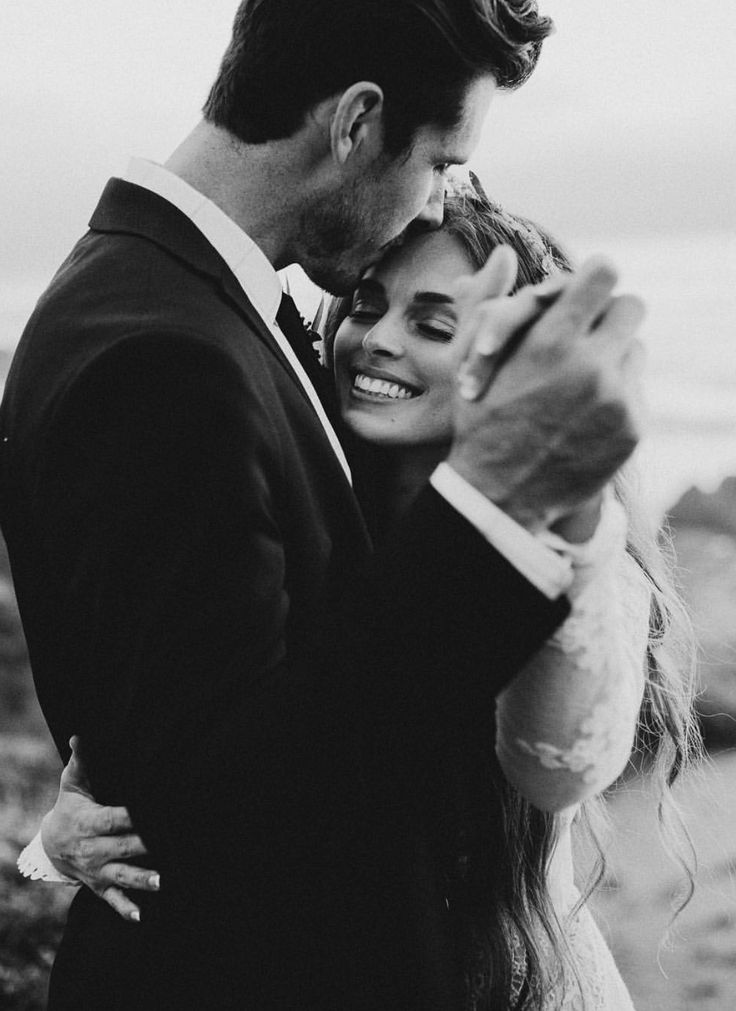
(565, 731)
(595, 983)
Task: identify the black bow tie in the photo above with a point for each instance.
(301, 340)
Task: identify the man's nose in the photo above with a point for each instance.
(433, 212)
(383, 340)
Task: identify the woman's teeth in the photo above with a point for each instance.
(381, 388)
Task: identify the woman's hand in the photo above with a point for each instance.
(91, 842)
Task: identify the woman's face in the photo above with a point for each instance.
(395, 357)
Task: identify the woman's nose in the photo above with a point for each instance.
(384, 339)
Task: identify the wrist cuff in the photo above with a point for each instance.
(34, 863)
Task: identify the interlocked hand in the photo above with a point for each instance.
(548, 405)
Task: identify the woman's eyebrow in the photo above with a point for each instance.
(433, 297)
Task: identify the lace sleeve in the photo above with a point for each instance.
(566, 724)
(34, 863)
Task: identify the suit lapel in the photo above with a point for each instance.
(130, 209)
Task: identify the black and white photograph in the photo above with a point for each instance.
(368, 506)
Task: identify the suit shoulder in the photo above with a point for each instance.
(124, 296)
(127, 282)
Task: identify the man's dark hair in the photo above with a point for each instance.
(286, 56)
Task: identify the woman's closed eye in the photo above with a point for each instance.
(436, 329)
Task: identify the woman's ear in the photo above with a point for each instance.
(357, 122)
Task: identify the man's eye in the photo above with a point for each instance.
(442, 168)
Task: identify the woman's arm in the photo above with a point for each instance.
(566, 724)
(82, 842)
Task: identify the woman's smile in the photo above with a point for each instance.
(378, 386)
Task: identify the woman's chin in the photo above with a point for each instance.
(377, 436)
(381, 430)
(391, 432)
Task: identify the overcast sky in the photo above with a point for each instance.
(629, 124)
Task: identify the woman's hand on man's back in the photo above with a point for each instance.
(91, 842)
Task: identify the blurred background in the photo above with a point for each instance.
(623, 143)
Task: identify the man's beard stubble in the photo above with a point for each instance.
(341, 238)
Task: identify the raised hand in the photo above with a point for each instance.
(543, 422)
(90, 842)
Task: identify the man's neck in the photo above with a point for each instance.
(252, 183)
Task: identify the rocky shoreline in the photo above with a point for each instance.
(704, 532)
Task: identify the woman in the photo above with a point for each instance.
(565, 728)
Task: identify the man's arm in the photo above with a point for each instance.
(158, 507)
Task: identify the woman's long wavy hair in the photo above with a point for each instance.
(510, 941)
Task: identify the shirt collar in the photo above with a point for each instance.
(245, 259)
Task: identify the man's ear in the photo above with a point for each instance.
(357, 121)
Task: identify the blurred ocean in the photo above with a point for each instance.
(689, 283)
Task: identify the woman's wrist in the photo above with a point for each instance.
(35, 863)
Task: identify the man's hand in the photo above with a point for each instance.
(89, 842)
(543, 422)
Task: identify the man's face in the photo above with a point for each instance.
(347, 230)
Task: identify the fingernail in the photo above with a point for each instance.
(468, 385)
(135, 915)
(155, 881)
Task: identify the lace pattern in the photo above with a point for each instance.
(591, 981)
(596, 736)
(589, 638)
(574, 708)
(34, 863)
(565, 727)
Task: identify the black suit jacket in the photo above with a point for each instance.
(272, 699)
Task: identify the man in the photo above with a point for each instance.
(184, 537)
